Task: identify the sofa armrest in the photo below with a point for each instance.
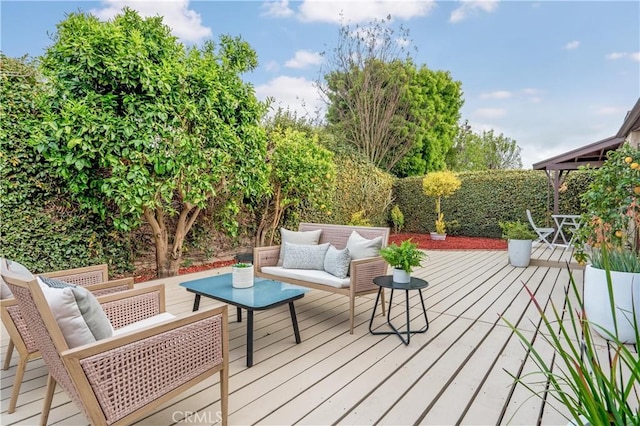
(126, 307)
(363, 271)
(265, 256)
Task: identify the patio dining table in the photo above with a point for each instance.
(565, 222)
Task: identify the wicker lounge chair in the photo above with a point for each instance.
(94, 278)
(119, 379)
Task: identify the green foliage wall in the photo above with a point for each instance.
(39, 226)
(360, 186)
(486, 198)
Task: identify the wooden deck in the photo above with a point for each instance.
(453, 374)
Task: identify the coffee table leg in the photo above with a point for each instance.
(238, 314)
(196, 303)
(406, 298)
(294, 320)
(249, 337)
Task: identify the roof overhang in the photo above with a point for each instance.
(592, 155)
(631, 122)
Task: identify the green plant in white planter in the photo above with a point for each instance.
(403, 258)
(242, 275)
(520, 238)
(595, 389)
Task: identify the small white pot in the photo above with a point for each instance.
(242, 277)
(519, 253)
(437, 237)
(401, 276)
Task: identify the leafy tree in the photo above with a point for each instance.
(143, 127)
(482, 151)
(300, 171)
(435, 100)
(386, 107)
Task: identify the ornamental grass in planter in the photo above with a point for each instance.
(596, 387)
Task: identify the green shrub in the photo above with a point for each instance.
(397, 218)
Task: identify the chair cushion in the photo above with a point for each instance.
(77, 312)
(5, 291)
(336, 262)
(302, 256)
(147, 322)
(297, 237)
(360, 247)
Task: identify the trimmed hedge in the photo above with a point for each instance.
(487, 198)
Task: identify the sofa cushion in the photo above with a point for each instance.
(297, 237)
(360, 247)
(302, 256)
(77, 312)
(309, 275)
(336, 262)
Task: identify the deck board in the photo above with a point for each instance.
(454, 373)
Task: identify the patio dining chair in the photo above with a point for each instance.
(150, 358)
(94, 278)
(543, 233)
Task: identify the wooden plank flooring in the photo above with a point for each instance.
(455, 373)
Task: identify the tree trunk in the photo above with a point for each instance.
(169, 257)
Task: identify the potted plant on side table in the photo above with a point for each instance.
(520, 238)
(403, 258)
(610, 233)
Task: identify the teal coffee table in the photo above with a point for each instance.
(265, 294)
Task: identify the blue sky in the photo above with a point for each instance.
(552, 75)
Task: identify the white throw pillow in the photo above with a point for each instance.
(297, 237)
(299, 256)
(77, 312)
(360, 247)
(5, 291)
(336, 262)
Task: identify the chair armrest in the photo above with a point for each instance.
(112, 286)
(126, 307)
(159, 359)
(265, 256)
(363, 271)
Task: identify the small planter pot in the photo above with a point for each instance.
(437, 237)
(626, 293)
(242, 277)
(519, 253)
(401, 276)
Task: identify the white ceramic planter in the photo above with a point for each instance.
(401, 276)
(626, 292)
(242, 277)
(437, 237)
(519, 253)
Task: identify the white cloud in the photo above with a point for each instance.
(489, 112)
(634, 56)
(277, 8)
(572, 45)
(185, 24)
(297, 93)
(304, 58)
(403, 41)
(356, 11)
(471, 7)
(272, 66)
(498, 94)
(609, 110)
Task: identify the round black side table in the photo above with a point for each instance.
(386, 281)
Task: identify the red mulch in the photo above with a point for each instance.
(424, 241)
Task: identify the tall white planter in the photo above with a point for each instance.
(519, 252)
(242, 277)
(626, 293)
